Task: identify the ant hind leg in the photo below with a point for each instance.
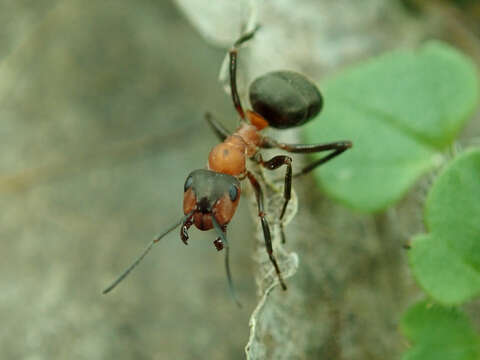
(336, 149)
(233, 70)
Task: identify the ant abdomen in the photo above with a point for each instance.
(285, 98)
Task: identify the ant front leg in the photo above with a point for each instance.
(273, 164)
(336, 147)
(265, 227)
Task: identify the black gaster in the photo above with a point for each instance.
(285, 98)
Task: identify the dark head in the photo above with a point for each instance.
(285, 98)
(210, 193)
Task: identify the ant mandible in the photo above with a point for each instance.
(281, 99)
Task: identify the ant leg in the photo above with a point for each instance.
(245, 37)
(233, 70)
(184, 230)
(233, 83)
(336, 147)
(266, 229)
(275, 163)
(216, 127)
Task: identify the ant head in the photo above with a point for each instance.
(208, 193)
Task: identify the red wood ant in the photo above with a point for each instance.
(281, 99)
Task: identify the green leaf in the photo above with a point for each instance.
(400, 110)
(439, 333)
(446, 262)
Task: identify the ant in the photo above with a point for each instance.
(281, 99)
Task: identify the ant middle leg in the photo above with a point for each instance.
(336, 149)
(220, 131)
(275, 163)
(266, 230)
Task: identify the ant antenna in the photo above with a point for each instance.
(222, 236)
(144, 253)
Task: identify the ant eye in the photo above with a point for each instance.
(188, 183)
(233, 192)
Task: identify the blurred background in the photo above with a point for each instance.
(101, 121)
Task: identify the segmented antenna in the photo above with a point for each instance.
(144, 253)
(223, 237)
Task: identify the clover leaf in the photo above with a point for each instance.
(438, 332)
(446, 261)
(400, 110)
